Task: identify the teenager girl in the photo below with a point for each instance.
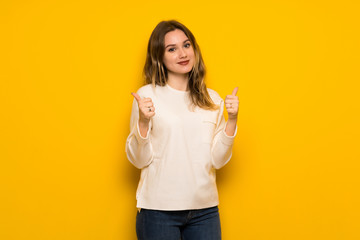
(178, 138)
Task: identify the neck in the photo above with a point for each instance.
(178, 81)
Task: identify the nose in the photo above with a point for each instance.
(182, 53)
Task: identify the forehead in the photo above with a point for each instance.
(174, 37)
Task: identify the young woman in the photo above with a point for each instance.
(178, 138)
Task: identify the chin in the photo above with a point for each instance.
(186, 70)
(181, 70)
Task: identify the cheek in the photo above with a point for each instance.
(168, 59)
(192, 53)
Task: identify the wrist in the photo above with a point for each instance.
(144, 122)
(232, 118)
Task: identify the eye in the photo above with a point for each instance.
(171, 49)
(187, 45)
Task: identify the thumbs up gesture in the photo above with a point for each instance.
(232, 104)
(146, 108)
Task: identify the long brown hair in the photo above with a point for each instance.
(155, 71)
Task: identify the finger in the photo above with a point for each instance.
(136, 96)
(234, 91)
(232, 102)
(152, 109)
(148, 104)
(147, 109)
(231, 97)
(149, 113)
(146, 100)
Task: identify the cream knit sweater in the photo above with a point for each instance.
(180, 153)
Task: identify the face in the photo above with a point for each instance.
(179, 54)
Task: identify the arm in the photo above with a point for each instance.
(138, 148)
(225, 132)
(231, 126)
(221, 149)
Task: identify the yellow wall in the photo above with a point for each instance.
(66, 72)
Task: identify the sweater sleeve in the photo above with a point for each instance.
(221, 149)
(138, 149)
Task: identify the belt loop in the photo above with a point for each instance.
(189, 216)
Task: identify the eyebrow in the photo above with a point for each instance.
(175, 44)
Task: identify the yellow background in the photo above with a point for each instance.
(67, 69)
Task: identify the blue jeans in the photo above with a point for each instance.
(199, 224)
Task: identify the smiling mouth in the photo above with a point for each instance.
(184, 62)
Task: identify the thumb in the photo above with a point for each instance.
(234, 91)
(136, 96)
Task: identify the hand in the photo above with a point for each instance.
(232, 104)
(146, 108)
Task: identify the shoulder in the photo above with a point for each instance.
(214, 96)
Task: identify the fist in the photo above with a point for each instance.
(146, 108)
(232, 104)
